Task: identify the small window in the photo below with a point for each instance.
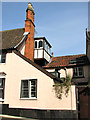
(35, 44)
(24, 89)
(78, 72)
(2, 58)
(47, 48)
(2, 81)
(44, 45)
(40, 44)
(29, 88)
(56, 73)
(62, 78)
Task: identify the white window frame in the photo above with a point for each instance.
(35, 44)
(77, 70)
(1, 55)
(2, 99)
(39, 44)
(29, 88)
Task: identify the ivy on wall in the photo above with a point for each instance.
(63, 88)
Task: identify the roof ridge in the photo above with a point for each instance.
(12, 29)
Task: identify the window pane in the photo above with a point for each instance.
(33, 82)
(1, 83)
(44, 45)
(24, 94)
(33, 88)
(75, 72)
(33, 94)
(35, 44)
(1, 94)
(2, 80)
(24, 89)
(0, 58)
(3, 58)
(40, 44)
(80, 71)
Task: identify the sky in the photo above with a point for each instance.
(62, 23)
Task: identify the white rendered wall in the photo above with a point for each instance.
(17, 69)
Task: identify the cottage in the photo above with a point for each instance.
(26, 88)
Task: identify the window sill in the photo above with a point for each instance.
(28, 98)
(38, 48)
(2, 63)
(78, 77)
(1, 100)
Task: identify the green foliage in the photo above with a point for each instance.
(64, 87)
(89, 85)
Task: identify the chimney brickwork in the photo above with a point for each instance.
(29, 27)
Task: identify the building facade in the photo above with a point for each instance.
(77, 67)
(26, 88)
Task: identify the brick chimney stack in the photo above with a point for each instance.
(29, 27)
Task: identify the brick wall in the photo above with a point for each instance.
(29, 27)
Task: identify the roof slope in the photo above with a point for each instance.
(11, 38)
(63, 61)
(35, 65)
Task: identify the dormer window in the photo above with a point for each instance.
(41, 51)
(40, 44)
(2, 57)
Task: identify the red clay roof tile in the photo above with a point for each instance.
(62, 61)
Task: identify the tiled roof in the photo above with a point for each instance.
(10, 38)
(63, 61)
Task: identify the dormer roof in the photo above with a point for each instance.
(11, 38)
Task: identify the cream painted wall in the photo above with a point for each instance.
(17, 69)
(69, 71)
(46, 56)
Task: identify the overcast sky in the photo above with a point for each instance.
(62, 23)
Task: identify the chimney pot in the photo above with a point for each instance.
(52, 54)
